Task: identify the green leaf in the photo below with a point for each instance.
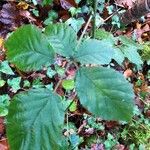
(26, 83)
(4, 103)
(146, 51)
(50, 73)
(73, 106)
(76, 24)
(37, 83)
(93, 51)
(5, 68)
(14, 83)
(68, 84)
(2, 82)
(63, 39)
(101, 34)
(35, 121)
(131, 53)
(129, 48)
(47, 2)
(29, 49)
(105, 93)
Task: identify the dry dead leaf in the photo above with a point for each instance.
(128, 73)
(4, 144)
(1, 42)
(124, 3)
(65, 4)
(23, 5)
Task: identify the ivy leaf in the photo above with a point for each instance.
(5, 68)
(35, 120)
(29, 49)
(63, 39)
(93, 51)
(76, 24)
(106, 94)
(14, 83)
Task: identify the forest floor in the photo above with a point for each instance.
(90, 132)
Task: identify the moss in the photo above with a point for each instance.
(146, 51)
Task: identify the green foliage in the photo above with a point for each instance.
(93, 51)
(5, 68)
(68, 84)
(92, 123)
(52, 15)
(14, 83)
(47, 2)
(28, 49)
(127, 49)
(4, 103)
(76, 24)
(62, 38)
(73, 106)
(106, 97)
(130, 50)
(102, 91)
(138, 133)
(146, 52)
(35, 121)
(2, 82)
(110, 142)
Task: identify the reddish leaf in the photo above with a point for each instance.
(66, 5)
(97, 147)
(4, 144)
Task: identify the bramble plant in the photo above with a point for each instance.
(36, 117)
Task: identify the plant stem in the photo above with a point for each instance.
(84, 30)
(60, 80)
(94, 18)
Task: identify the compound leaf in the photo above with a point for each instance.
(106, 94)
(63, 39)
(29, 49)
(93, 51)
(35, 120)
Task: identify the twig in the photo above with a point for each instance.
(112, 15)
(84, 30)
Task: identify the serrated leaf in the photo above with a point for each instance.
(127, 41)
(29, 49)
(129, 49)
(63, 39)
(93, 51)
(105, 93)
(132, 54)
(101, 34)
(35, 121)
(119, 56)
(4, 103)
